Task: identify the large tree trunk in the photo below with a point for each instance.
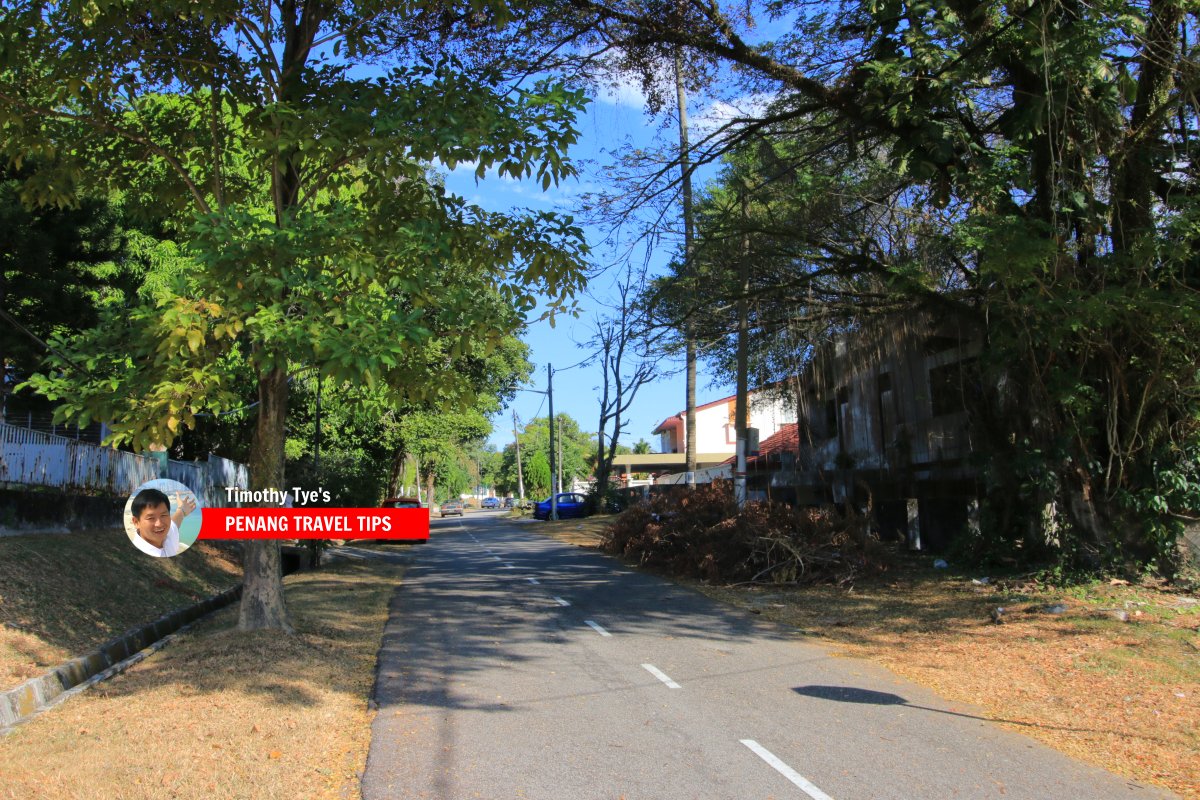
(685, 170)
(399, 459)
(429, 484)
(262, 589)
(742, 398)
(1133, 198)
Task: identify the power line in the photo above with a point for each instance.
(578, 363)
(535, 414)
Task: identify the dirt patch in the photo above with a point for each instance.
(223, 713)
(62, 595)
(580, 532)
(1107, 672)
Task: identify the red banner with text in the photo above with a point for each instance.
(315, 523)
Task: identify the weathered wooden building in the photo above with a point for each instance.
(883, 420)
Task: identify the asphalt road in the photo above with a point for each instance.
(514, 666)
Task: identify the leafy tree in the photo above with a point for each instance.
(55, 264)
(358, 430)
(537, 474)
(437, 441)
(1048, 152)
(320, 238)
(491, 462)
(577, 447)
(441, 439)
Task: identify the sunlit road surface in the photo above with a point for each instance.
(514, 666)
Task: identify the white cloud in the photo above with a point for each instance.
(722, 112)
(625, 91)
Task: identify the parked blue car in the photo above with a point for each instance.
(570, 506)
(490, 502)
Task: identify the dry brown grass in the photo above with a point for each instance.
(62, 595)
(1122, 695)
(222, 713)
(580, 532)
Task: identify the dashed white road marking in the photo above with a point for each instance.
(534, 581)
(662, 676)
(596, 628)
(508, 566)
(786, 771)
(561, 602)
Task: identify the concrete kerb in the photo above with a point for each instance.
(112, 658)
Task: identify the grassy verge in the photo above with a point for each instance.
(223, 713)
(64, 594)
(1113, 678)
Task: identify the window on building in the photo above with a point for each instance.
(954, 387)
(887, 410)
(843, 413)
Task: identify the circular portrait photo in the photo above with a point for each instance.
(162, 518)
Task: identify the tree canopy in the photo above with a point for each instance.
(1024, 168)
(293, 142)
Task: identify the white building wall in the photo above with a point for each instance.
(715, 431)
(769, 414)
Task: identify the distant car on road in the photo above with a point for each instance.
(451, 507)
(509, 502)
(491, 502)
(570, 505)
(404, 502)
(401, 502)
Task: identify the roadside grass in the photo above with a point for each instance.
(62, 595)
(584, 532)
(1124, 695)
(222, 713)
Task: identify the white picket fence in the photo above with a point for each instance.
(33, 458)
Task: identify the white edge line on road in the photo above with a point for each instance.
(786, 771)
(533, 580)
(561, 602)
(662, 676)
(596, 628)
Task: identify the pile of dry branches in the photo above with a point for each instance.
(701, 534)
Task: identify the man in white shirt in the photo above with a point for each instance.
(157, 527)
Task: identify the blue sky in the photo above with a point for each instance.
(614, 117)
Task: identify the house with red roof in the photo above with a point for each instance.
(770, 409)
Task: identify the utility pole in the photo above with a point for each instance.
(520, 476)
(550, 394)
